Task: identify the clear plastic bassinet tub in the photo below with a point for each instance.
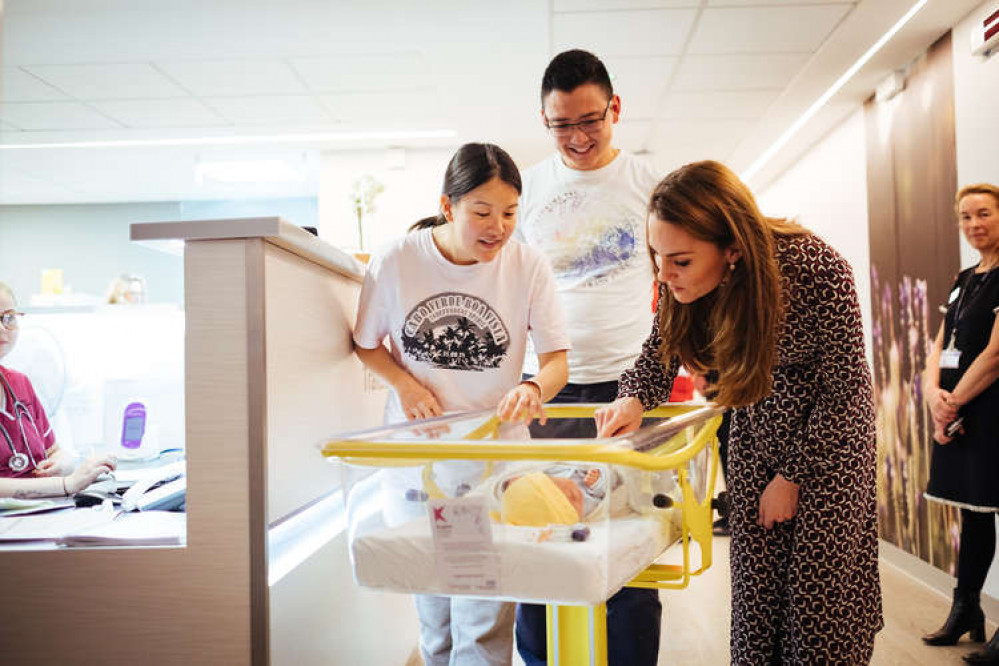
(464, 505)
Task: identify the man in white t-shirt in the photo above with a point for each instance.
(585, 209)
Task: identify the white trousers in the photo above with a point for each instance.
(457, 631)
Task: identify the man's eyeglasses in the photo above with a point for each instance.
(8, 319)
(589, 126)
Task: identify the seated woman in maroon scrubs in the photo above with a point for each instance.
(31, 463)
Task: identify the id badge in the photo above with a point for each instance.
(950, 358)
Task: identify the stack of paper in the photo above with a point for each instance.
(147, 528)
(12, 506)
(55, 524)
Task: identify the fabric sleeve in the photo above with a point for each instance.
(648, 379)
(547, 321)
(372, 324)
(843, 413)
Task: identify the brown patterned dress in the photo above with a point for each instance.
(807, 591)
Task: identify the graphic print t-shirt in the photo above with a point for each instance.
(591, 226)
(459, 330)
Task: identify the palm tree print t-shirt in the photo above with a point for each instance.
(461, 331)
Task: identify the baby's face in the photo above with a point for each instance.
(572, 493)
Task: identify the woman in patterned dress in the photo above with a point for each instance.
(960, 382)
(773, 310)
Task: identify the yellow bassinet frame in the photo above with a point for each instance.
(576, 634)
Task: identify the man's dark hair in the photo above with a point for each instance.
(571, 69)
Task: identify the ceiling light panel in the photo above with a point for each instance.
(271, 110)
(792, 29)
(116, 81)
(362, 73)
(741, 72)
(641, 83)
(151, 113)
(54, 116)
(225, 78)
(657, 32)
(16, 85)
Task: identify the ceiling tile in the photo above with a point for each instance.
(610, 5)
(16, 85)
(749, 3)
(270, 110)
(641, 83)
(160, 113)
(53, 116)
(633, 136)
(393, 109)
(718, 105)
(792, 29)
(741, 72)
(675, 145)
(656, 32)
(116, 81)
(362, 73)
(222, 78)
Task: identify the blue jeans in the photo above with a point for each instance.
(634, 615)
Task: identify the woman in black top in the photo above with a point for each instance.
(961, 390)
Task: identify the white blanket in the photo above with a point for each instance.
(403, 559)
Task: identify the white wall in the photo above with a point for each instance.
(976, 102)
(826, 191)
(976, 108)
(410, 193)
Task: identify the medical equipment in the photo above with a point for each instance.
(133, 425)
(19, 461)
(411, 538)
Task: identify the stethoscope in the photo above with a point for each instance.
(18, 461)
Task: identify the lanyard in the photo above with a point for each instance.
(969, 291)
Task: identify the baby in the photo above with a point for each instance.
(559, 494)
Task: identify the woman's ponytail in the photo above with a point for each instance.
(428, 222)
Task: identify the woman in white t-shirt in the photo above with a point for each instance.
(457, 299)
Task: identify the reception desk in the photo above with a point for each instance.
(269, 374)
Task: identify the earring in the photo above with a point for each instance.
(727, 276)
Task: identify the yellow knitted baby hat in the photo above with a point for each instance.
(535, 500)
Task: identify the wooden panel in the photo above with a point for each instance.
(911, 175)
(315, 384)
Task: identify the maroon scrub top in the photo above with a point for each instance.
(40, 437)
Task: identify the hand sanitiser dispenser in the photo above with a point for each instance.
(133, 426)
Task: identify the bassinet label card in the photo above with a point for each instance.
(463, 544)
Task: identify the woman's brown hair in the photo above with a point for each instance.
(732, 330)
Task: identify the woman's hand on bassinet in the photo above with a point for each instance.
(522, 403)
(418, 402)
(622, 416)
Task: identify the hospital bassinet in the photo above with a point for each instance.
(432, 507)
